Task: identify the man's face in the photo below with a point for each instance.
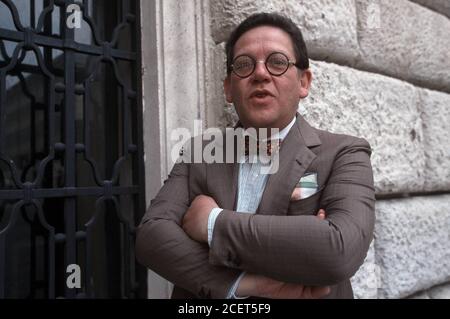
(264, 100)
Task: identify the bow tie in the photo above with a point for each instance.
(262, 147)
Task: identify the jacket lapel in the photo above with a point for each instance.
(294, 158)
(222, 179)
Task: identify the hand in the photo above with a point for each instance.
(265, 287)
(195, 221)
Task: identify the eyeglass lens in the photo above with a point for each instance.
(276, 63)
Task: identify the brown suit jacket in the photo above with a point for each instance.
(284, 240)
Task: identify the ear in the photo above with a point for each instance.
(305, 83)
(227, 89)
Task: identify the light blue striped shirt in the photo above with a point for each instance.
(251, 185)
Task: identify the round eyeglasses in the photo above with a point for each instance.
(277, 64)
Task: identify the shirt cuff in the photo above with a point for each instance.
(232, 292)
(211, 221)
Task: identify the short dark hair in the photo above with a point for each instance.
(275, 20)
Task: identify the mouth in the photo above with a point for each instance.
(261, 95)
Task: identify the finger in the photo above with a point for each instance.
(307, 293)
(321, 214)
(296, 194)
(296, 291)
(186, 216)
(319, 292)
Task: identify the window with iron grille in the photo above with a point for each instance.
(71, 158)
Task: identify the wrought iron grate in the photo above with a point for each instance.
(71, 155)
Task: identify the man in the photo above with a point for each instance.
(225, 231)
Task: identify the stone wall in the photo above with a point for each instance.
(381, 71)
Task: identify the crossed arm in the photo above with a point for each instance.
(163, 246)
(195, 225)
(171, 239)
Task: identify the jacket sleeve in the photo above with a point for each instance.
(163, 246)
(305, 249)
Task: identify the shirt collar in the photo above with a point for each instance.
(281, 134)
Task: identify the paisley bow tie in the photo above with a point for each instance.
(262, 147)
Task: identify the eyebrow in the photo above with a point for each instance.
(271, 52)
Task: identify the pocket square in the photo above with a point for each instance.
(306, 187)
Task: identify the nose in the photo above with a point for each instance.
(261, 73)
